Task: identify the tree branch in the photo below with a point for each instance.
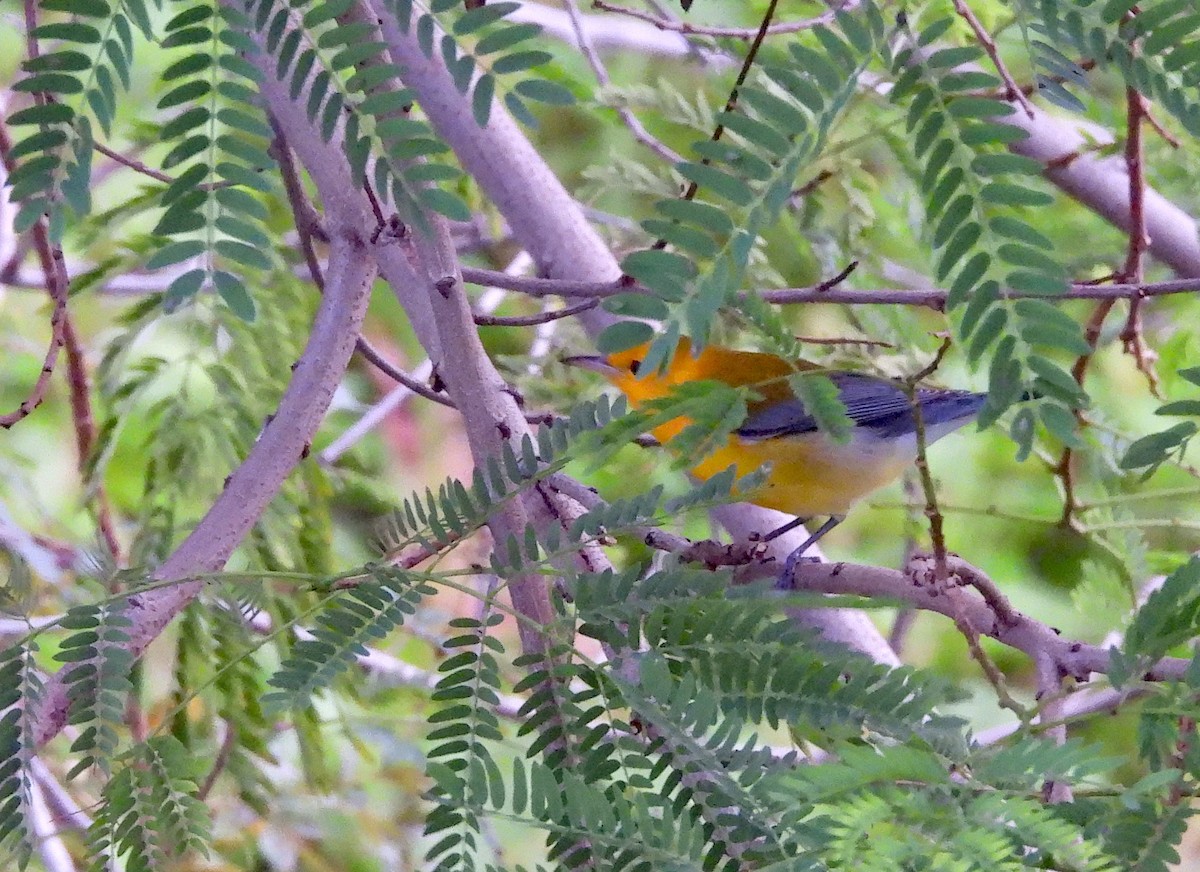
(55, 282)
(283, 442)
(743, 33)
(933, 298)
(1101, 184)
(1068, 657)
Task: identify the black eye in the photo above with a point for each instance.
(634, 366)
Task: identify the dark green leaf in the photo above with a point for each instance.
(623, 335)
(717, 181)
(545, 92)
(175, 252)
(234, 293)
(1008, 194)
(182, 289)
(445, 203)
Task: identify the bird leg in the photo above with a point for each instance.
(787, 581)
(786, 528)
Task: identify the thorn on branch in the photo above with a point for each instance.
(829, 284)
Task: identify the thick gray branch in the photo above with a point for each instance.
(255, 482)
(1102, 184)
(544, 217)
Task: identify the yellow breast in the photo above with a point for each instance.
(810, 474)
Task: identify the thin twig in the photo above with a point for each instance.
(1168, 137)
(415, 385)
(228, 743)
(812, 184)
(679, 26)
(844, 340)
(936, 521)
(933, 298)
(534, 320)
(1012, 91)
(731, 102)
(80, 390)
(136, 165)
(830, 284)
(374, 415)
(991, 671)
(640, 133)
(53, 272)
(1131, 334)
(540, 287)
(1064, 469)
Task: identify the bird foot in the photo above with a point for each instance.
(787, 579)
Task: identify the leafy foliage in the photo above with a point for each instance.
(150, 814)
(1150, 452)
(498, 52)
(97, 674)
(975, 192)
(1167, 67)
(20, 681)
(1170, 616)
(775, 129)
(366, 611)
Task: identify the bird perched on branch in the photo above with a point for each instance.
(810, 474)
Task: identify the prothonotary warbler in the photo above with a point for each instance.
(810, 474)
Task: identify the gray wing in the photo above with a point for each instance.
(870, 402)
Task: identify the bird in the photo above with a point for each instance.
(808, 473)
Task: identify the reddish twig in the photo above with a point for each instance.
(1012, 91)
(1131, 334)
(62, 332)
(812, 184)
(56, 287)
(731, 102)
(1168, 137)
(1064, 469)
(78, 382)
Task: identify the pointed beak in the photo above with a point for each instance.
(592, 362)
